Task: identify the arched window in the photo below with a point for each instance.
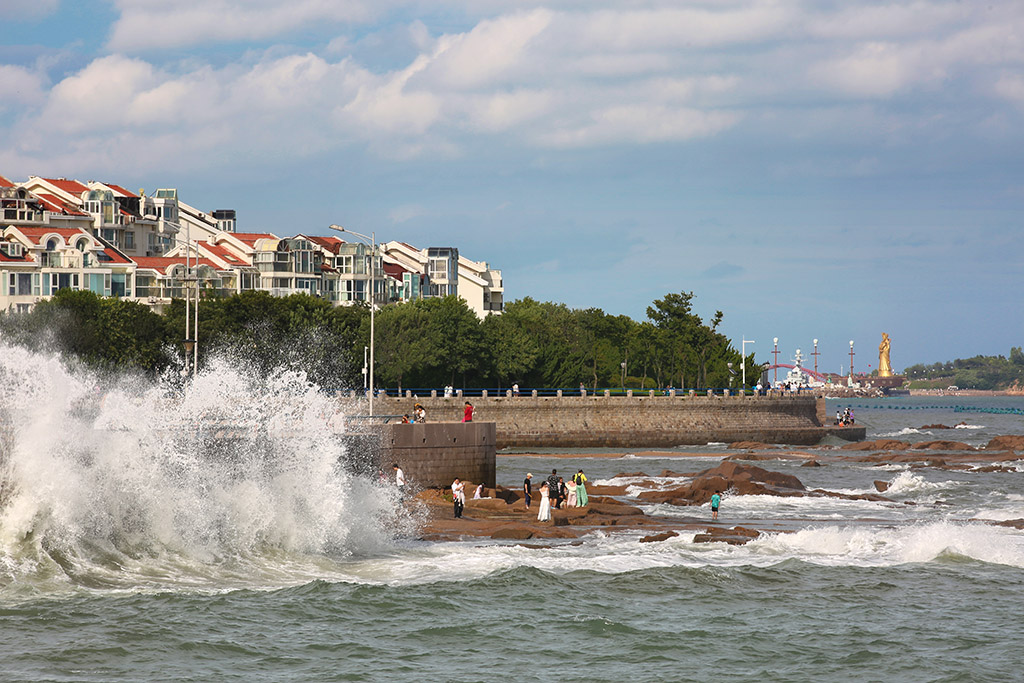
(51, 244)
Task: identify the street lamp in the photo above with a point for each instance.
(372, 242)
(815, 354)
(744, 347)
(851, 361)
(775, 353)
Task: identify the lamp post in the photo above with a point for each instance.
(191, 341)
(372, 242)
(851, 361)
(815, 354)
(744, 347)
(775, 353)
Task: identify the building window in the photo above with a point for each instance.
(129, 240)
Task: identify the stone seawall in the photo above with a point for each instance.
(434, 453)
(633, 422)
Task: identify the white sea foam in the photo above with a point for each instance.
(907, 483)
(963, 426)
(141, 481)
(906, 431)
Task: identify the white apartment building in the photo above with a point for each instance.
(57, 233)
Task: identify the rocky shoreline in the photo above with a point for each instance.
(502, 515)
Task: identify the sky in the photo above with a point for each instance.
(815, 170)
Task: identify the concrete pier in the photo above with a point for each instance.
(637, 421)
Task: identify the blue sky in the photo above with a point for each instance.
(825, 170)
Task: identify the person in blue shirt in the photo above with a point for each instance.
(716, 500)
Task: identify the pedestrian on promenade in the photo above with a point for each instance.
(716, 500)
(458, 497)
(553, 486)
(418, 413)
(581, 489)
(526, 488)
(545, 504)
(583, 389)
(515, 389)
(467, 412)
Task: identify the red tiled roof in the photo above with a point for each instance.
(4, 182)
(224, 254)
(57, 205)
(24, 258)
(330, 243)
(251, 237)
(37, 233)
(70, 186)
(161, 262)
(120, 190)
(116, 256)
(395, 270)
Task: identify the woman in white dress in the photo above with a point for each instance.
(545, 504)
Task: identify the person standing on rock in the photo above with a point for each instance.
(570, 498)
(553, 486)
(581, 489)
(458, 497)
(545, 504)
(526, 488)
(399, 480)
(716, 500)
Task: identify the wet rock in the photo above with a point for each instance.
(655, 538)
(612, 509)
(941, 446)
(728, 476)
(737, 535)
(877, 445)
(752, 457)
(936, 426)
(517, 533)
(1009, 442)
(1013, 523)
(597, 490)
(811, 463)
(486, 503)
(751, 445)
(881, 486)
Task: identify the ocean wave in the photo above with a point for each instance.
(966, 426)
(908, 483)
(906, 431)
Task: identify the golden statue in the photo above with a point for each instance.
(884, 369)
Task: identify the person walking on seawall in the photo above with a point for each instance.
(399, 480)
(458, 497)
(581, 489)
(515, 389)
(545, 504)
(526, 488)
(716, 500)
(467, 412)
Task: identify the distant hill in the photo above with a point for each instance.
(979, 372)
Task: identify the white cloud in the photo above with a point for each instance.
(21, 87)
(20, 10)
(145, 25)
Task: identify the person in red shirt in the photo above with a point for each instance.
(467, 415)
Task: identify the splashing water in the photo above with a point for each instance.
(127, 481)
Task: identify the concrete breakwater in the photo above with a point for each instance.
(638, 421)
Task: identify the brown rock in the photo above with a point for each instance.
(877, 445)
(486, 503)
(654, 538)
(752, 445)
(881, 486)
(596, 490)
(518, 533)
(1015, 523)
(811, 463)
(1006, 443)
(609, 509)
(736, 536)
(941, 446)
(624, 475)
(937, 426)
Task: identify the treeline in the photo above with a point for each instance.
(979, 372)
(425, 343)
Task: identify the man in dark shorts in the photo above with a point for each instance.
(553, 488)
(526, 489)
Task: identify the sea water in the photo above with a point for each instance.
(209, 530)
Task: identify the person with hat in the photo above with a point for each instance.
(418, 413)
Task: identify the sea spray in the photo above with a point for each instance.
(122, 475)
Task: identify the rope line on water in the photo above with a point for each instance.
(955, 409)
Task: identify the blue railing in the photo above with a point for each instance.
(497, 392)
